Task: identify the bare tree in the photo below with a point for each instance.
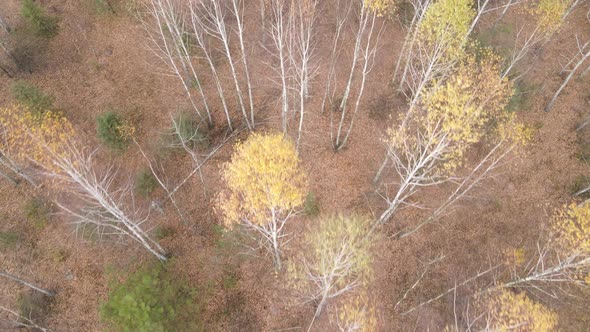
(21, 321)
(303, 31)
(213, 16)
(279, 29)
(365, 48)
(341, 19)
(579, 58)
(50, 143)
(168, 35)
(26, 283)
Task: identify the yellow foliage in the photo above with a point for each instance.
(550, 14)
(43, 139)
(357, 313)
(264, 179)
(447, 22)
(571, 225)
(508, 311)
(456, 113)
(335, 246)
(381, 7)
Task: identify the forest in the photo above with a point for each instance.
(294, 165)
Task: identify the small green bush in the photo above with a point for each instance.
(31, 97)
(8, 240)
(113, 131)
(151, 301)
(145, 183)
(40, 23)
(37, 212)
(311, 206)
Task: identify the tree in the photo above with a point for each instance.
(151, 300)
(356, 314)
(335, 259)
(428, 146)
(508, 311)
(49, 142)
(364, 50)
(563, 259)
(436, 45)
(168, 32)
(265, 187)
(213, 18)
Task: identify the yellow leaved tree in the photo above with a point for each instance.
(335, 259)
(49, 142)
(356, 314)
(428, 146)
(381, 7)
(435, 43)
(266, 186)
(563, 260)
(509, 311)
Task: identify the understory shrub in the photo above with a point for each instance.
(41, 24)
(151, 300)
(113, 131)
(32, 97)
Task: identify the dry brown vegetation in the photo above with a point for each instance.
(102, 60)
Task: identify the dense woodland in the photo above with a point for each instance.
(294, 165)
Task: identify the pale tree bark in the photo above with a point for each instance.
(279, 31)
(168, 35)
(364, 35)
(582, 55)
(198, 29)
(238, 12)
(20, 321)
(214, 18)
(303, 31)
(341, 18)
(26, 283)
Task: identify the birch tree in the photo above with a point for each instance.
(335, 259)
(304, 49)
(168, 33)
(508, 311)
(49, 142)
(428, 147)
(279, 29)
(265, 188)
(356, 314)
(366, 42)
(563, 258)
(436, 45)
(213, 15)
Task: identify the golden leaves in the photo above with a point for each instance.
(336, 245)
(508, 311)
(264, 177)
(571, 226)
(357, 313)
(381, 7)
(550, 14)
(42, 139)
(447, 22)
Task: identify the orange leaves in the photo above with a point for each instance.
(264, 180)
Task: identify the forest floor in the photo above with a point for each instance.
(101, 62)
